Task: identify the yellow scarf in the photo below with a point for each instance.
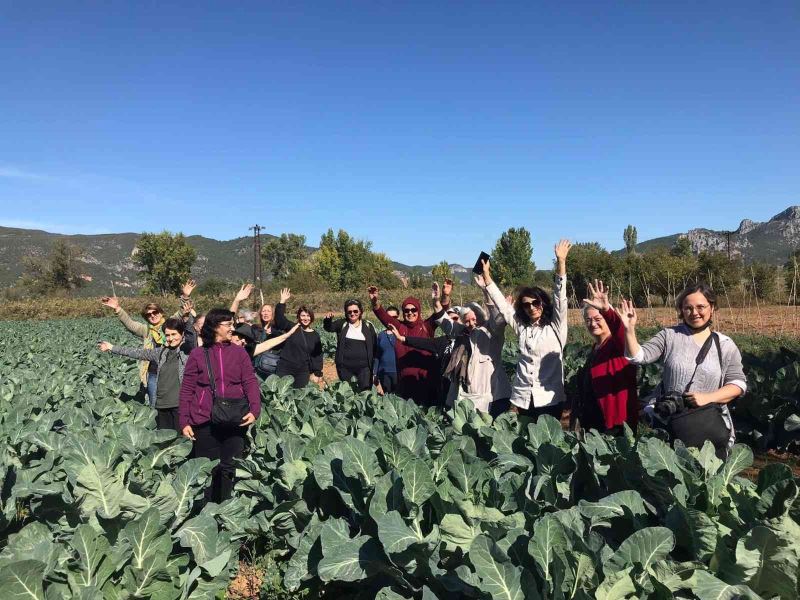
(156, 333)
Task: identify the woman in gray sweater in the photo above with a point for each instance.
(715, 381)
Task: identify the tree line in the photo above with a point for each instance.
(344, 263)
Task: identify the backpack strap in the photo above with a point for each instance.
(210, 374)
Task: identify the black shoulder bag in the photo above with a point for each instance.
(225, 411)
(693, 426)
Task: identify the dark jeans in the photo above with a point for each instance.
(152, 384)
(300, 377)
(363, 376)
(167, 418)
(388, 382)
(225, 444)
(534, 412)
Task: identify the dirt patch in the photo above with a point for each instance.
(329, 371)
(771, 456)
(247, 583)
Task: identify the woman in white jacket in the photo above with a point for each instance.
(541, 327)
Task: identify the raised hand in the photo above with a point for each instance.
(480, 281)
(487, 271)
(329, 315)
(372, 292)
(244, 292)
(447, 288)
(188, 307)
(104, 346)
(396, 333)
(286, 293)
(110, 302)
(562, 248)
(598, 297)
(627, 314)
(435, 290)
(188, 287)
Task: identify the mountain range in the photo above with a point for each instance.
(107, 257)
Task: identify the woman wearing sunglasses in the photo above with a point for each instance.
(355, 344)
(151, 333)
(541, 327)
(417, 371)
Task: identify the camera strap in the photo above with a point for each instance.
(701, 356)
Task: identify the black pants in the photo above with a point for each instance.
(388, 382)
(167, 418)
(363, 376)
(225, 444)
(300, 377)
(533, 412)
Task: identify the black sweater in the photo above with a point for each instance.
(297, 356)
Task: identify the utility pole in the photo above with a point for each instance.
(728, 237)
(257, 256)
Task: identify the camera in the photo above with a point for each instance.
(669, 404)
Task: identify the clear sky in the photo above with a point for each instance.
(425, 127)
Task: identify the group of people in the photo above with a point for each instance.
(201, 372)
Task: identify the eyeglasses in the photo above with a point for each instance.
(227, 324)
(699, 308)
(353, 312)
(535, 303)
(152, 313)
(410, 311)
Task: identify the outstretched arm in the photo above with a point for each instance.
(276, 341)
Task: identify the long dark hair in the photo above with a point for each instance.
(305, 309)
(214, 317)
(534, 292)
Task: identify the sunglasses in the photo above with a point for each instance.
(536, 303)
(353, 312)
(151, 314)
(410, 311)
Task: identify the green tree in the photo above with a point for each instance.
(281, 256)
(762, 280)
(718, 271)
(587, 262)
(213, 286)
(682, 248)
(665, 273)
(166, 260)
(441, 272)
(511, 260)
(630, 236)
(346, 263)
(59, 272)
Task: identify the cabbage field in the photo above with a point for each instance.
(361, 496)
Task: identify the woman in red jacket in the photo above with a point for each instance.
(417, 371)
(233, 378)
(607, 383)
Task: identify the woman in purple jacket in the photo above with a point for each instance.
(234, 378)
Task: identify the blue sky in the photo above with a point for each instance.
(426, 127)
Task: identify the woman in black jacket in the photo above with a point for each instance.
(301, 356)
(355, 344)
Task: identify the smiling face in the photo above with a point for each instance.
(353, 313)
(224, 331)
(596, 324)
(410, 313)
(153, 316)
(696, 310)
(304, 318)
(173, 337)
(532, 307)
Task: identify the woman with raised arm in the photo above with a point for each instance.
(219, 370)
(266, 361)
(152, 333)
(171, 361)
(301, 356)
(702, 370)
(417, 373)
(541, 327)
(356, 341)
(607, 393)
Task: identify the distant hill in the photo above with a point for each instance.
(107, 258)
(771, 241)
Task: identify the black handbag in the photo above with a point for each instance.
(695, 426)
(225, 411)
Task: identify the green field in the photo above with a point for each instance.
(359, 496)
